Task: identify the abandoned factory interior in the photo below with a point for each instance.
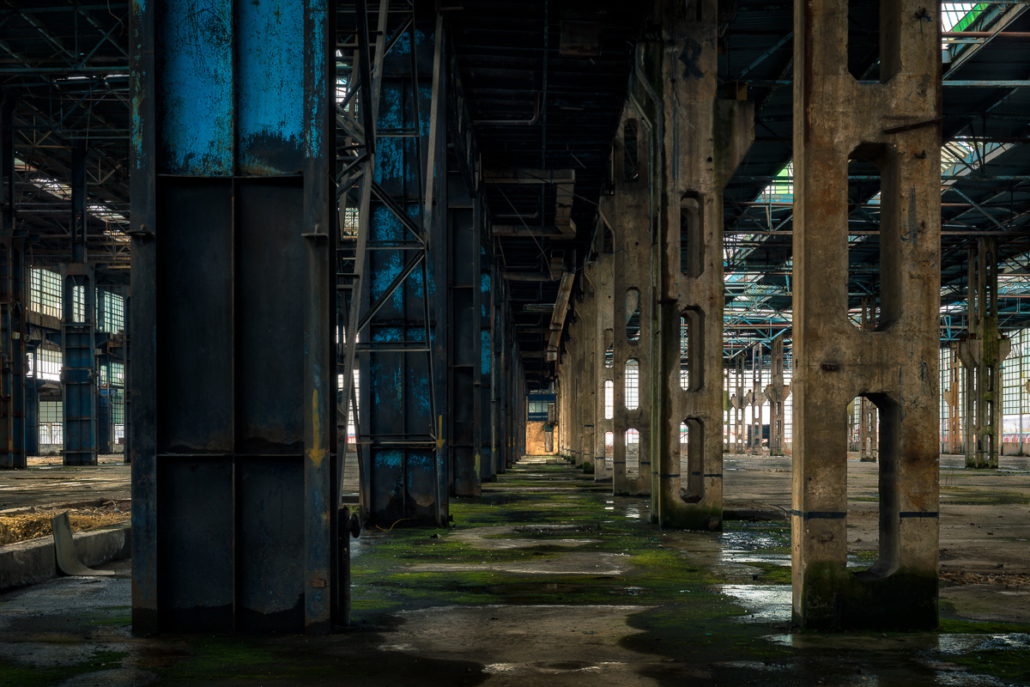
(489, 342)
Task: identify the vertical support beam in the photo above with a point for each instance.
(739, 404)
(701, 142)
(127, 384)
(13, 307)
(484, 316)
(78, 330)
(868, 444)
(633, 299)
(462, 412)
(502, 390)
(955, 445)
(587, 368)
(982, 354)
(757, 401)
(777, 392)
(494, 327)
(141, 392)
(603, 336)
(233, 385)
(407, 343)
(836, 118)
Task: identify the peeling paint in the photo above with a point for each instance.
(195, 93)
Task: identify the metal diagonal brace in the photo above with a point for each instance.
(380, 193)
(394, 285)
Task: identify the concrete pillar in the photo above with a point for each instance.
(981, 354)
(757, 401)
(954, 444)
(632, 302)
(868, 443)
(604, 372)
(896, 125)
(702, 140)
(588, 365)
(777, 392)
(577, 385)
(738, 405)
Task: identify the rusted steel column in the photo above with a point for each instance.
(631, 305)
(777, 392)
(981, 354)
(895, 125)
(702, 141)
(603, 334)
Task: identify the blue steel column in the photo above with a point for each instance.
(233, 386)
(404, 470)
(463, 407)
(13, 332)
(488, 469)
(78, 330)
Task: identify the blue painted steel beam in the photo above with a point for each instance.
(78, 330)
(233, 379)
(14, 438)
(404, 345)
(464, 362)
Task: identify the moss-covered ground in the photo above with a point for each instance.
(690, 606)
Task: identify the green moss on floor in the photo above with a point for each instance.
(665, 581)
(1006, 664)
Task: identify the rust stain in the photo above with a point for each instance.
(317, 453)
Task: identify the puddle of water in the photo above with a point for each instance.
(765, 603)
(963, 643)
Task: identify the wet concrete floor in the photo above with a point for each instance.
(544, 580)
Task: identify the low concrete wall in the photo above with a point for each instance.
(1014, 448)
(33, 561)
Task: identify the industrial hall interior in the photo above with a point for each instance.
(490, 342)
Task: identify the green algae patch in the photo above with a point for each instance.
(772, 573)
(1004, 663)
(959, 626)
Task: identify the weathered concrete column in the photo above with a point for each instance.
(757, 401)
(951, 396)
(867, 416)
(632, 303)
(703, 139)
(602, 272)
(587, 400)
(981, 354)
(895, 125)
(777, 392)
(580, 384)
(739, 402)
(562, 410)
